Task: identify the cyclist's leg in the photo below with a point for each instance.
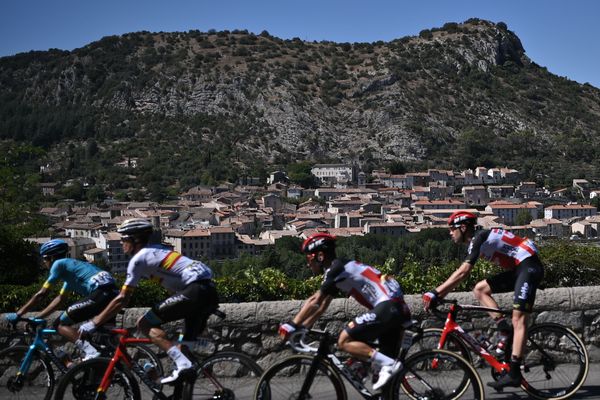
(499, 283)
(528, 276)
(81, 311)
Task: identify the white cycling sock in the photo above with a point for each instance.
(381, 359)
(179, 358)
(86, 347)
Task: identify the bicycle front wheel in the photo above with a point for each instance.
(284, 380)
(436, 374)
(227, 375)
(81, 382)
(36, 383)
(555, 362)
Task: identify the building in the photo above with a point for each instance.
(330, 174)
(509, 211)
(566, 211)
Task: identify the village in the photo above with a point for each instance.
(229, 220)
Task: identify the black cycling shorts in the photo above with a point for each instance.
(89, 307)
(383, 322)
(193, 304)
(523, 280)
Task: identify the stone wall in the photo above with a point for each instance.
(252, 327)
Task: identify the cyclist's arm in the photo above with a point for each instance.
(114, 306)
(34, 300)
(312, 309)
(455, 279)
(54, 304)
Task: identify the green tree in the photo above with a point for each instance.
(523, 217)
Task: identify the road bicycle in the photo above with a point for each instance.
(114, 378)
(319, 373)
(31, 371)
(555, 360)
(221, 374)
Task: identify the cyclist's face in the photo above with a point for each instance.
(127, 246)
(312, 261)
(46, 261)
(455, 234)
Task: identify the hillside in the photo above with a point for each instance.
(202, 107)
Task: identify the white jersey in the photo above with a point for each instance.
(366, 284)
(169, 268)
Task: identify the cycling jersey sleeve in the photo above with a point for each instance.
(133, 273)
(331, 278)
(475, 246)
(55, 274)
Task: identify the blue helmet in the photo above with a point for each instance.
(54, 247)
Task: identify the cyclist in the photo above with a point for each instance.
(95, 285)
(522, 274)
(194, 294)
(381, 294)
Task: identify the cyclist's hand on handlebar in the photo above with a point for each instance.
(12, 317)
(430, 299)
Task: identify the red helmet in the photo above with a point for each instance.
(462, 218)
(319, 241)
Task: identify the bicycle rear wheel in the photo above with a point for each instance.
(227, 375)
(37, 383)
(82, 380)
(284, 380)
(436, 374)
(555, 362)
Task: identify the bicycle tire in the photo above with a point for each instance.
(430, 338)
(82, 380)
(436, 374)
(284, 379)
(227, 375)
(39, 378)
(14, 339)
(560, 368)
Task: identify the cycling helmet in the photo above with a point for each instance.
(319, 241)
(462, 218)
(135, 228)
(54, 247)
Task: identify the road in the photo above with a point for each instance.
(589, 391)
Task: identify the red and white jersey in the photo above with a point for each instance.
(169, 268)
(500, 247)
(366, 284)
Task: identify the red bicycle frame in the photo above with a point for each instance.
(451, 326)
(120, 354)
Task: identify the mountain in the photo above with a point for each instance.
(200, 107)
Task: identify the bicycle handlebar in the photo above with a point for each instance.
(296, 340)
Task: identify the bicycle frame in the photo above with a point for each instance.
(121, 356)
(452, 326)
(39, 344)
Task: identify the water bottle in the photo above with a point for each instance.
(150, 370)
(358, 369)
(502, 343)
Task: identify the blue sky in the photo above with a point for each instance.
(558, 34)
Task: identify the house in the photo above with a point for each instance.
(526, 190)
(476, 195)
(548, 227)
(247, 245)
(195, 244)
(500, 191)
(277, 176)
(117, 260)
(397, 181)
(330, 174)
(438, 204)
(566, 211)
(197, 193)
(385, 228)
(582, 186)
(509, 211)
(582, 228)
(48, 188)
